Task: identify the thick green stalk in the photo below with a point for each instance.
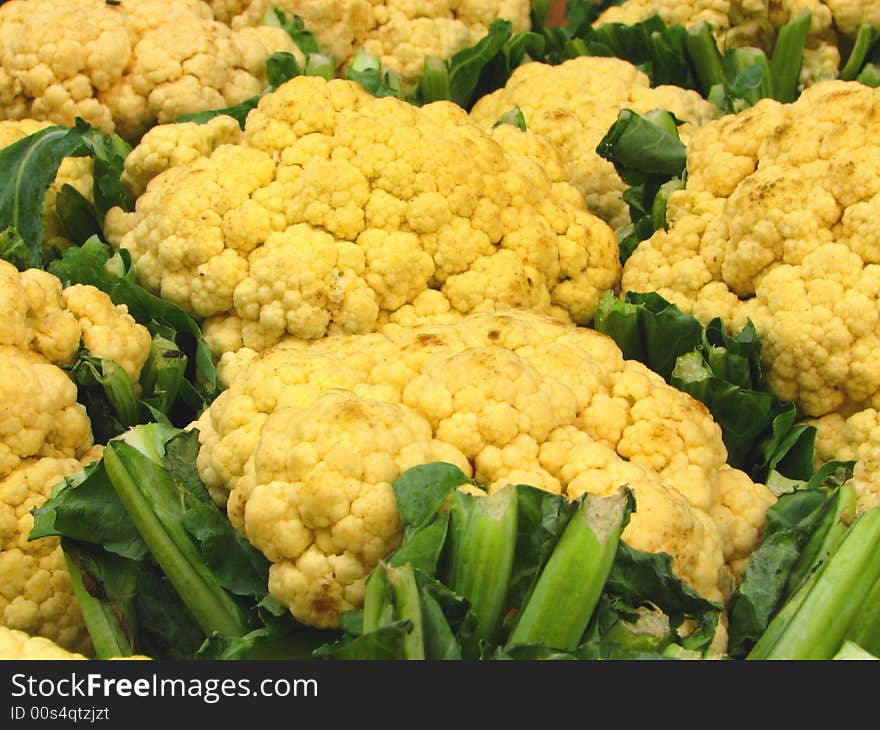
(562, 603)
(408, 603)
(377, 611)
(788, 56)
(482, 543)
(705, 58)
(865, 40)
(865, 627)
(106, 633)
(210, 605)
(434, 81)
(320, 64)
(826, 605)
(392, 595)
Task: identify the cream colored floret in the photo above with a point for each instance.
(304, 443)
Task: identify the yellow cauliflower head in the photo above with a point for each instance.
(304, 443)
(856, 437)
(338, 209)
(126, 66)
(777, 223)
(401, 33)
(574, 104)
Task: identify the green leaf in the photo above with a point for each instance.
(91, 263)
(238, 112)
(78, 215)
(421, 491)
(423, 546)
(281, 67)
(108, 152)
(15, 251)
(29, 167)
(790, 523)
(466, 65)
(84, 507)
(110, 380)
(641, 146)
(514, 117)
(386, 643)
(639, 577)
(295, 27)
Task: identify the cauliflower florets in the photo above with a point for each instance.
(574, 104)
(304, 444)
(126, 66)
(338, 209)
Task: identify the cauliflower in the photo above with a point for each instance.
(304, 444)
(15, 644)
(777, 224)
(574, 104)
(74, 171)
(338, 210)
(856, 437)
(45, 434)
(401, 33)
(745, 23)
(850, 15)
(126, 66)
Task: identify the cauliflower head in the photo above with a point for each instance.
(124, 67)
(746, 23)
(856, 437)
(401, 33)
(575, 103)
(304, 444)
(337, 209)
(74, 171)
(777, 224)
(15, 644)
(45, 434)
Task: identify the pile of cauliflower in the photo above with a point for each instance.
(45, 434)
